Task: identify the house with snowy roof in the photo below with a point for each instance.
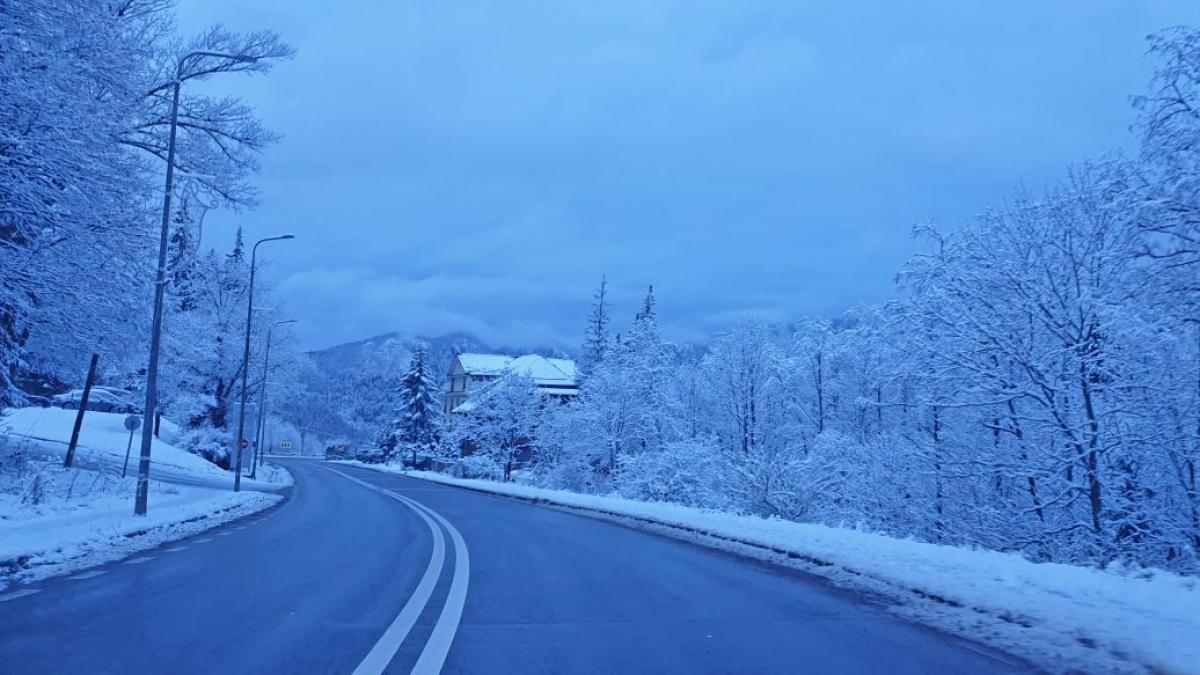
(554, 377)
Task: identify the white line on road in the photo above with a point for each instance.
(433, 655)
(89, 575)
(18, 594)
(437, 648)
(138, 561)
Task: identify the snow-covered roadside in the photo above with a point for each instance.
(1062, 617)
(84, 518)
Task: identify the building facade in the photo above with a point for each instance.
(555, 377)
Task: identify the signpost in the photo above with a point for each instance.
(132, 422)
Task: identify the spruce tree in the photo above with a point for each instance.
(238, 254)
(646, 313)
(419, 416)
(595, 334)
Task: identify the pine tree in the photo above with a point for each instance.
(238, 254)
(643, 335)
(646, 313)
(181, 262)
(595, 334)
(419, 417)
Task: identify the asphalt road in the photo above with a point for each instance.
(351, 574)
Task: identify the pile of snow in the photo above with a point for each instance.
(55, 520)
(1060, 615)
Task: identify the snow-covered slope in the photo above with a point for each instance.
(45, 432)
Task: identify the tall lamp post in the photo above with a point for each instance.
(256, 459)
(237, 477)
(143, 484)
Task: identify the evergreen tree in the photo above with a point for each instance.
(238, 254)
(419, 417)
(646, 313)
(181, 261)
(595, 334)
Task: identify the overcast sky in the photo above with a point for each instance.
(477, 166)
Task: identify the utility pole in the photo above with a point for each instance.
(83, 404)
(160, 279)
(241, 432)
(262, 401)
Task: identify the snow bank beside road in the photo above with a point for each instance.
(84, 518)
(1063, 616)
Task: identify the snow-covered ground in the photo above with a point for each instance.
(85, 518)
(1062, 617)
(45, 432)
(55, 520)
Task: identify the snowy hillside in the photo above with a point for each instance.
(43, 434)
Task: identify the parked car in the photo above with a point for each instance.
(35, 400)
(423, 463)
(101, 399)
(374, 456)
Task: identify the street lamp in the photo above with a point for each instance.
(160, 281)
(237, 477)
(256, 459)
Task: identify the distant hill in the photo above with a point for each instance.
(390, 353)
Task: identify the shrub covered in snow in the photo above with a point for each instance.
(211, 444)
(689, 472)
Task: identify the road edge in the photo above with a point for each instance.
(1014, 639)
(23, 570)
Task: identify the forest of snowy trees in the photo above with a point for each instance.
(85, 95)
(1034, 386)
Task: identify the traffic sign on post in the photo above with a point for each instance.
(132, 422)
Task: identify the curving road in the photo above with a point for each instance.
(368, 572)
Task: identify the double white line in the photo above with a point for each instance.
(433, 656)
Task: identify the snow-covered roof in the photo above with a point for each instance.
(484, 364)
(543, 371)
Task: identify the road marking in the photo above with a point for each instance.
(433, 655)
(88, 575)
(437, 647)
(18, 594)
(138, 561)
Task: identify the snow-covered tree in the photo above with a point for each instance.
(595, 335)
(84, 93)
(418, 417)
(502, 421)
